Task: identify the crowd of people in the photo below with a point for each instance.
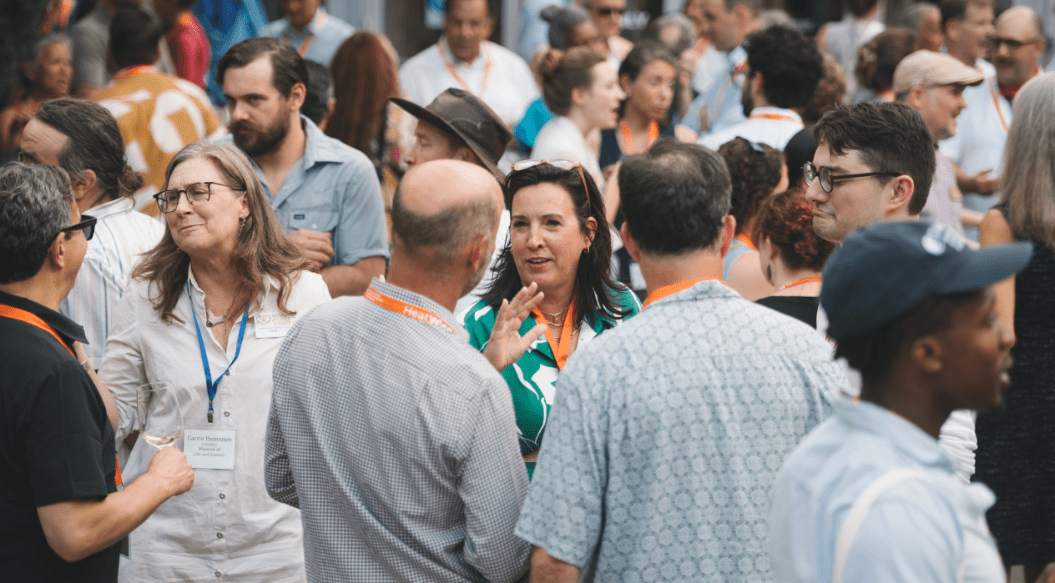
(750, 298)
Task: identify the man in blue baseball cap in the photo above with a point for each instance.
(870, 495)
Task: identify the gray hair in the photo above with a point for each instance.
(562, 22)
(686, 38)
(775, 17)
(35, 203)
(911, 16)
(1029, 178)
(46, 41)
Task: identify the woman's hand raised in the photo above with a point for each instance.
(506, 345)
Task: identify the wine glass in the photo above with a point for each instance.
(160, 414)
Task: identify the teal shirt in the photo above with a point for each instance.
(532, 379)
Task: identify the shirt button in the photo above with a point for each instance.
(219, 535)
(226, 413)
(222, 495)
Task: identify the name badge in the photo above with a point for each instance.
(209, 449)
(273, 325)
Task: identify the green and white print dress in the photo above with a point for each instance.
(532, 379)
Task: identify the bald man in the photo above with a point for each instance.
(391, 434)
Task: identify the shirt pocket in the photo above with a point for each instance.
(314, 219)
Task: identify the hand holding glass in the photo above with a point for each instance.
(160, 414)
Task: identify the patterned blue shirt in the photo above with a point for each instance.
(666, 435)
(332, 189)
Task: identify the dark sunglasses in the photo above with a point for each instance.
(993, 43)
(610, 11)
(87, 225)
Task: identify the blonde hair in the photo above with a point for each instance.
(1029, 162)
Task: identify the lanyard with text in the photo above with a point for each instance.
(31, 319)
(209, 385)
(458, 78)
(411, 311)
(561, 349)
(671, 290)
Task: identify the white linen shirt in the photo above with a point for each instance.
(226, 528)
(121, 235)
(510, 86)
(772, 126)
(561, 139)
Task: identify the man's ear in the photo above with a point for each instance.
(477, 252)
(83, 184)
(296, 96)
(728, 232)
(915, 97)
(904, 187)
(57, 255)
(630, 243)
(927, 353)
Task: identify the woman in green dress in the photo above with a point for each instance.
(560, 241)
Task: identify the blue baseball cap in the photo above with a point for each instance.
(884, 270)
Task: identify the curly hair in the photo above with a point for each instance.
(786, 219)
(755, 170)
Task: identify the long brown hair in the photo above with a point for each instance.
(364, 77)
(263, 248)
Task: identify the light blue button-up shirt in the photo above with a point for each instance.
(722, 98)
(332, 189)
(666, 435)
(325, 31)
(929, 528)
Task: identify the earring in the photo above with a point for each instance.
(586, 250)
(769, 273)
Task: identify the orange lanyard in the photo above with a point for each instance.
(628, 139)
(458, 78)
(671, 290)
(996, 102)
(408, 310)
(31, 319)
(563, 348)
(746, 241)
(802, 281)
(136, 70)
(774, 117)
(320, 19)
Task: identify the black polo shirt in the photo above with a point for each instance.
(56, 444)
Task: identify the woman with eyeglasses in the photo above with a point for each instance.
(559, 241)
(1014, 453)
(206, 312)
(582, 90)
(791, 255)
(757, 171)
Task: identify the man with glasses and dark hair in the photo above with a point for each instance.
(62, 512)
(83, 139)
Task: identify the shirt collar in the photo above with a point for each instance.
(117, 206)
(318, 147)
(66, 328)
(270, 284)
(421, 301)
(708, 289)
(904, 435)
(777, 111)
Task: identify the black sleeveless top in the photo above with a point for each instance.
(610, 152)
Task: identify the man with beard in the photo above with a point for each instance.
(465, 59)
(382, 398)
(325, 191)
(1015, 50)
(783, 69)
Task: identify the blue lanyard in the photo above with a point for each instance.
(209, 385)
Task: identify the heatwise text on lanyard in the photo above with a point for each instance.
(393, 305)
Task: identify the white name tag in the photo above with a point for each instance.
(273, 325)
(209, 449)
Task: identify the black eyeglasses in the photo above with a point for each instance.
(610, 11)
(168, 200)
(993, 43)
(87, 225)
(563, 165)
(827, 179)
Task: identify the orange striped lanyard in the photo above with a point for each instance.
(320, 20)
(671, 290)
(996, 101)
(561, 349)
(802, 281)
(774, 117)
(458, 78)
(628, 139)
(408, 310)
(746, 241)
(31, 319)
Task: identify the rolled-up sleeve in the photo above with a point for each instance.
(361, 230)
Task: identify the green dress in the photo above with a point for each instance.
(532, 379)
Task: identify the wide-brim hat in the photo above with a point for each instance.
(883, 271)
(465, 115)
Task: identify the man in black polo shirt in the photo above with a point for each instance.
(60, 513)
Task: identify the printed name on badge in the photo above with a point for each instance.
(273, 325)
(209, 449)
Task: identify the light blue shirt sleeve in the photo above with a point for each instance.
(361, 230)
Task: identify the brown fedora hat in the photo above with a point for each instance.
(465, 115)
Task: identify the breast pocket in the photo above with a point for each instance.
(323, 221)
